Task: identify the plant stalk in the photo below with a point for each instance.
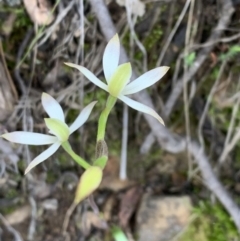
(104, 117)
(66, 146)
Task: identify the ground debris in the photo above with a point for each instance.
(128, 204)
(91, 219)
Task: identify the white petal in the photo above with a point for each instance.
(52, 107)
(145, 80)
(140, 107)
(88, 74)
(82, 117)
(43, 156)
(111, 57)
(29, 138)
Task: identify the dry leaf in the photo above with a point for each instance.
(129, 204)
(108, 207)
(92, 219)
(39, 11)
(110, 177)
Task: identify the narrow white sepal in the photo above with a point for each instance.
(140, 107)
(43, 156)
(82, 117)
(52, 107)
(29, 138)
(145, 80)
(111, 57)
(88, 74)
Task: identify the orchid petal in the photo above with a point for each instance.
(82, 117)
(145, 80)
(111, 57)
(140, 107)
(88, 74)
(52, 107)
(58, 128)
(120, 79)
(29, 138)
(43, 156)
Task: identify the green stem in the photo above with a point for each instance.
(66, 146)
(104, 116)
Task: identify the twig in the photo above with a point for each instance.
(32, 226)
(67, 218)
(14, 232)
(123, 164)
(80, 52)
(147, 144)
(206, 107)
(20, 52)
(167, 140)
(185, 87)
(227, 11)
(229, 146)
(221, 40)
(165, 47)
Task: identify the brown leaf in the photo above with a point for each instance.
(108, 207)
(128, 204)
(110, 177)
(39, 11)
(92, 219)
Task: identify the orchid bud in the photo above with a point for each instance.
(89, 182)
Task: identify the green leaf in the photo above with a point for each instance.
(58, 128)
(189, 59)
(233, 50)
(118, 234)
(89, 182)
(101, 162)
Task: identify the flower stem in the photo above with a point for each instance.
(66, 146)
(104, 116)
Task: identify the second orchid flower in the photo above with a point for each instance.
(56, 125)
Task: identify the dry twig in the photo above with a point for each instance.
(227, 11)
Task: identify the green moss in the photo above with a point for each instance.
(8, 210)
(22, 19)
(99, 95)
(212, 222)
(51, 177)
(11, 193)
(153, 38)
(150, 42)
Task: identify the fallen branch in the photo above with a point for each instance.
(167, 140)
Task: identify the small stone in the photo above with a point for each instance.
(50, 204)
(162, 218)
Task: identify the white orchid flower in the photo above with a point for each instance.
(118, 77)
(56, 125)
